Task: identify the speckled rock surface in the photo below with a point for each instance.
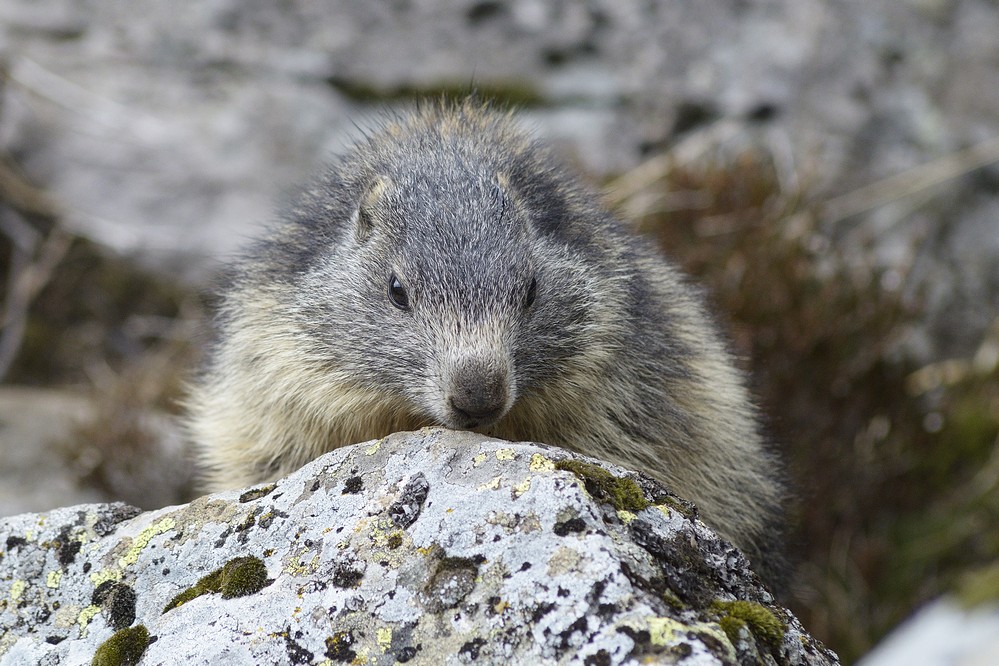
(428, 547)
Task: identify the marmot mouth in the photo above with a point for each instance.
(467, 419)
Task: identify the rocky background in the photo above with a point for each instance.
(829, 170)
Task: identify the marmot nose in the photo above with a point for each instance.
(479, 394)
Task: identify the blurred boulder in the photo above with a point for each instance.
(171, 134)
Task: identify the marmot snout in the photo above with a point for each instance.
(478, 393)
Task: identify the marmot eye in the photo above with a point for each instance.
(532, 293)
(397, 293)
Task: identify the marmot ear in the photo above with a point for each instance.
(508, 198)
(366, 215)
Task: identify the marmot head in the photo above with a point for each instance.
(457, 278)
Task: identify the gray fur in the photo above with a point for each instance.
(609, 353)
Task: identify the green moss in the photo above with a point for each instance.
(239, 577)
(206, 585)
(242, 577)
(762, 623)
(684, 509)
(257, 493)
(980, 587)
(124, 648)
(732, 626)
(621, 493)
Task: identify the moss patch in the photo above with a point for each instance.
(239, 577)
(621, 493)
(124, 648)
(762, 623)
(732, 626)
(980, 587)
(257, 493)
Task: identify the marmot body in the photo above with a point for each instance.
(450, 271)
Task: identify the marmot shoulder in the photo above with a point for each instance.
(450, 270)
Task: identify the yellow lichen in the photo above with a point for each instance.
(492, 484)
(664, 632)
(506, 454)
(522, 487)
(105, 575)
(17, 590)
(383, 636)
(296, 567)
(540, 463)
(479, 459)
(53, 579)
(143, 538)
(86, 615)
(625, 516)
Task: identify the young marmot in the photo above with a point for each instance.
(449, 270)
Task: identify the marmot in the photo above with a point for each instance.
(450, 270)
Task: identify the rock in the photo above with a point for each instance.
(941, 633)
(169, 136)
(47, 461)
(430, 547)
(35, 429)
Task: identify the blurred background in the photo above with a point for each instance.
(829, 170)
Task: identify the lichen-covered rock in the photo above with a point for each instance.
(429, 547)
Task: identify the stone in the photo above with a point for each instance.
(44, 459)
(36, 429)
(432, 547)
(942, 632)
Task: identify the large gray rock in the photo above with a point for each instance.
(430, 547)
(940, 634)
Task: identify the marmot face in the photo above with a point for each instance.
(456, 298)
